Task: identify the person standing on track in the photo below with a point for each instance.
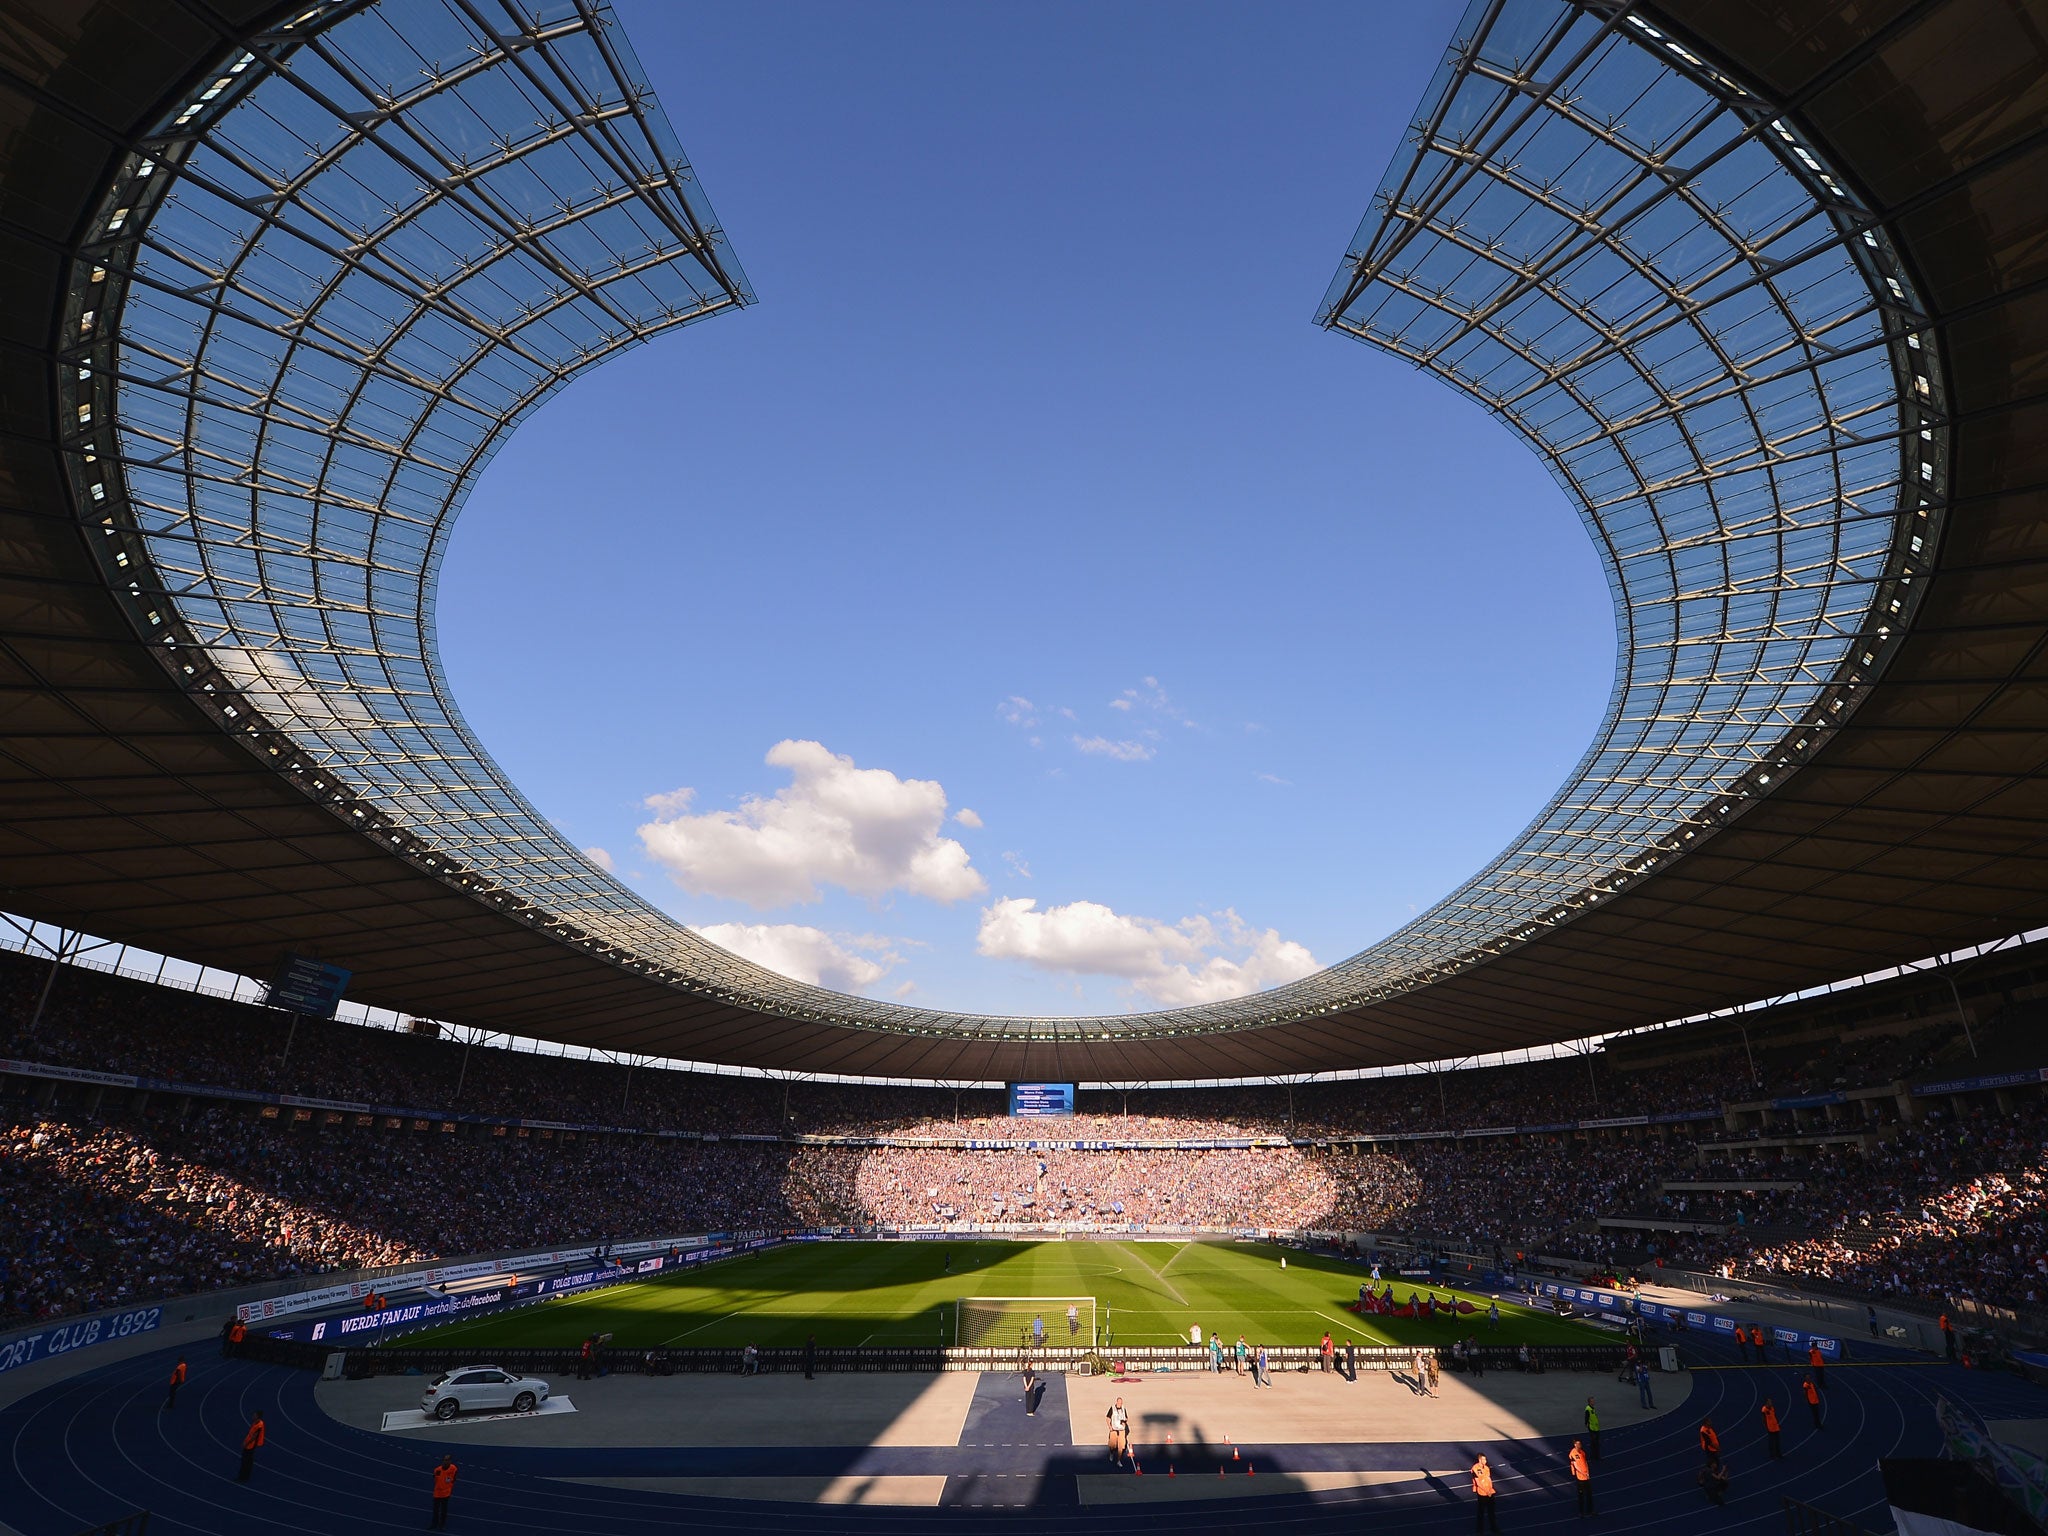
(1948, 1337)
(1812, 1399)
(1643, 1395)
(1215, 1352)
(1770, 1413)
(1483, 1517)
(1350, 1361)
(1714, 1480)
(1582, 1478)
(1436, 1371)
(238, 1331)
(1817, 1363)
(1243, 1354)
(252, 1442)
(1329, 1353)
(1710, 1441)
(1031, 1391)
(1259, 1376)
(177, 1381)
(444, 1490)
(1592, 1418)
(1119, 1431)
(1872, 1311)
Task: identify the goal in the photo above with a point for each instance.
(1012, 1321)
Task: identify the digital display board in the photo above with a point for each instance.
(307, 986)
(1037, 1099)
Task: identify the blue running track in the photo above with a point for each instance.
(99, 1446)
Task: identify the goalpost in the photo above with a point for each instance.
(1006, 1321)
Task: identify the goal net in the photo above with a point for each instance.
(1006, 1322)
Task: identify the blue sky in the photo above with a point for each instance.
(1030, 490)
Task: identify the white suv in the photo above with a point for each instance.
(482, 1386)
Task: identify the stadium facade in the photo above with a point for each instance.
(1759, 283)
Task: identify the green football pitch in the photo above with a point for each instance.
(880, 1293)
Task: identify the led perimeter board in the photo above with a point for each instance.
(1031, 1100)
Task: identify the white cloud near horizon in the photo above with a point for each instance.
(806, 954)
(602, 860)
(863, 830)
(1196, 960)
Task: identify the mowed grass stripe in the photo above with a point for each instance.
(850, 1293)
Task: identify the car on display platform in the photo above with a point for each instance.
(472, 1388)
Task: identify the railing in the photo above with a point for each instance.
(1805, 1520)
(730, 1360)
(361, 1363)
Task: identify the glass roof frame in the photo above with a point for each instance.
(318, 297)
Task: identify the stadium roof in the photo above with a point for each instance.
(1761, 284)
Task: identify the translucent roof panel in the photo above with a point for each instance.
(320, 295)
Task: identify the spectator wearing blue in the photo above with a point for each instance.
(1643, 1385)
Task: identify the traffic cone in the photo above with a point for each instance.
(1233, 1454)
(1250, 1470)
(1136, 1468)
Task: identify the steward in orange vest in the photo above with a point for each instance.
(1483, 1517)
(252, 1442)
(444, 1489)
(1710, 1442)
(177, 1381)
(1582, 1477)
(1771, 1430)
(1812, 1400)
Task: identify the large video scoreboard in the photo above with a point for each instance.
(1032, 1100)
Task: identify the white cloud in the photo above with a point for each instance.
(1197, 960)
(861, 829)
(1153, 699)
(804, 954)
(968, 819)
(601, 859)
(1116, 751)
(1016, 864)
(903, 990)
(1274, 778)
(1018, 710)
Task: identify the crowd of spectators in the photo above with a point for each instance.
(138, 1202)
(1951, 1207)
(1239, 1187)
(115, 1024)
(103, 1213)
